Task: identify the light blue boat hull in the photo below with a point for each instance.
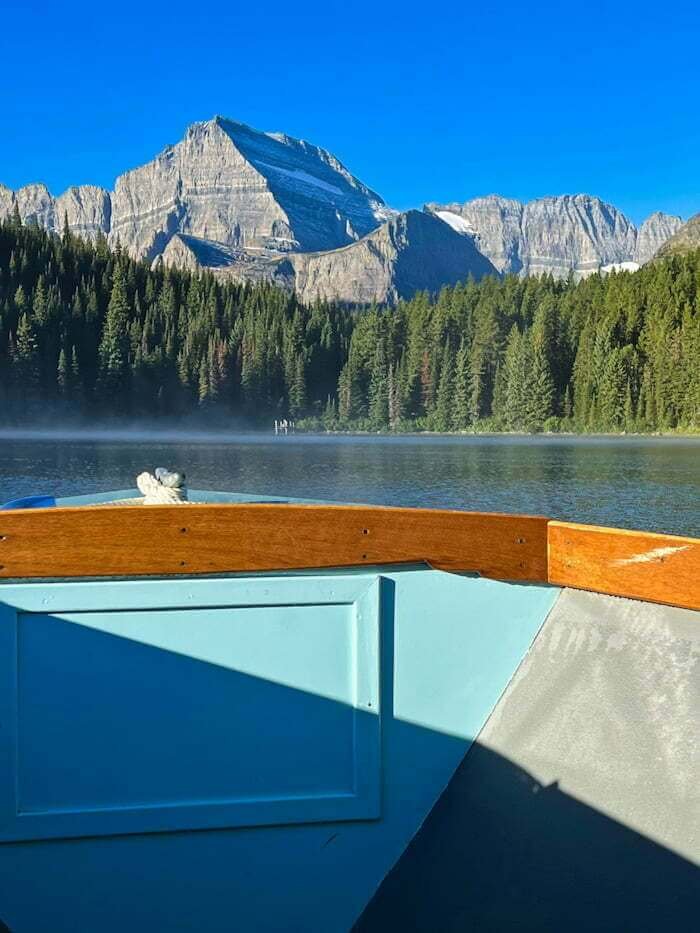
(248, 753)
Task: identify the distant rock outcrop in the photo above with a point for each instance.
(494, 222)
(684, 240)
(87, 208)
(656, 230)
(576, 234)
(410, 252)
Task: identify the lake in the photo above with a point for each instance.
(632, 482)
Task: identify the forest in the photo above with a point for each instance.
(87, 333)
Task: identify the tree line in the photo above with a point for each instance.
(87, 331)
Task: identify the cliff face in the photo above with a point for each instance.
(576, 234)
(684, 240)
(87, 208)
(410, 252)
(656, 230)
(228, 183)
(494, 222)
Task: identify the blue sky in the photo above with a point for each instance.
(435, 101)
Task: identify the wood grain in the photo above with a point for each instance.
(637, 564)
(220, 538)
(193, 539)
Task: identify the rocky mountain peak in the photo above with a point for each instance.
(233, 184)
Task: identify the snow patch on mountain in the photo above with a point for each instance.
(456, 222)
(620, 267)
(299, 175)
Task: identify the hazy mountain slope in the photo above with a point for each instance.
(411, 252)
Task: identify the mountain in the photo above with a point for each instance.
(557, 235)
(494, 222)
(411, 252)
(87, 208)
(684, 240)
(266, 207)
(654, 232)
(224, 182)
(234, 185)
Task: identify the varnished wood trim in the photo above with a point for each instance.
(219, 538)
(193, 539)
(637, 564)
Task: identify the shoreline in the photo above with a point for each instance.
(174, 433)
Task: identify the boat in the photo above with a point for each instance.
(251, 713)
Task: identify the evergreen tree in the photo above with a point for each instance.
(26, 360)
(379, 389)
(460, 408)
(114, 345)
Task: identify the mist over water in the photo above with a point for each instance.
(634, 482)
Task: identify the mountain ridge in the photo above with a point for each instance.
(557, 234)
(239, 200)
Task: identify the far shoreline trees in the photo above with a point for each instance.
(87, 332)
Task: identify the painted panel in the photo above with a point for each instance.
(449, 646)
(133, 720)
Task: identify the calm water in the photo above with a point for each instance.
(629, 482)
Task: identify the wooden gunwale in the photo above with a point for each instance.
(94, 541)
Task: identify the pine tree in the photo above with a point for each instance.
(629, 419)
(442, 416)
(297, 393)
(394, 398)
(63, 374)
(612, 388)
(379, 389)
(460, 407)
(26, 360)
(114, 345)
(540, 389)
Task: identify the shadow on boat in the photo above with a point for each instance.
(500, 851)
